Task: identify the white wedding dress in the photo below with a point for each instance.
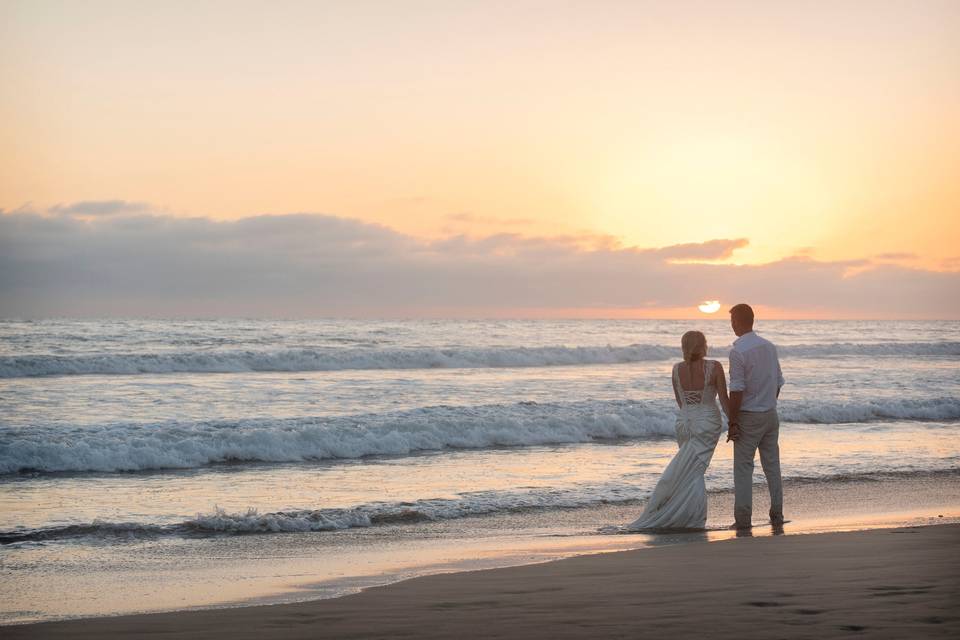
(679, 500)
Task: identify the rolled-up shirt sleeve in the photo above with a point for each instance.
(738, 381)
(780, 379)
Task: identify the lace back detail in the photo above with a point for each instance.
(692, 397)
(695, 396)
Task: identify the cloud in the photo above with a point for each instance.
(98, 208)
(896, 256)
(321, 265)
(711, 250)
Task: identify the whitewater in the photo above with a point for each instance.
(173, 445)
(336, 359)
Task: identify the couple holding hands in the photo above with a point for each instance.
(679, 500)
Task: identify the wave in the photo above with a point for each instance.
(468, 504)
(831, 349)
(928, 409)
(97, 528)
(339, 359)
(133, 447)
(184, 445)
(327, 359)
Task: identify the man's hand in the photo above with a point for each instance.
(733, 432)
(733, 417)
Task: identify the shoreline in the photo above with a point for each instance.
(896, 582)
(57, 583)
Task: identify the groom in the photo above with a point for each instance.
(755, 382)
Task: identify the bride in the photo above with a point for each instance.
(679, 500)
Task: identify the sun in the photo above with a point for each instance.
(709, 306)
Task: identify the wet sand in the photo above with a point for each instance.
(884, 583)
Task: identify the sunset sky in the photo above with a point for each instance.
(624, 159)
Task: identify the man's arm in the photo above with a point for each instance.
(737, 385)
(733, 430)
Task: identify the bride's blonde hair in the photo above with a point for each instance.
(694, 345)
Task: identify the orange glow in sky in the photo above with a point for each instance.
(825, 130)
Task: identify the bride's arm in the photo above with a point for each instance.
(721, 383)
(676, 392)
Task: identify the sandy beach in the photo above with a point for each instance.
(885, 583)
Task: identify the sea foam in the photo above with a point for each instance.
(338, 359)
(131, 447)
(172, 445)
(221, 521)
(468, 504)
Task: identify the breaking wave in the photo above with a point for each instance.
(479, 503)
(182, 445)
(221, 522)
(132, 447)
(339, 359)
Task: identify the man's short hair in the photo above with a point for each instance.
(742, 313)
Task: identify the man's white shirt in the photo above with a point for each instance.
(755, 370)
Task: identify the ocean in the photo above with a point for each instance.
(165, 464)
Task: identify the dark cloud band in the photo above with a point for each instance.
(73, 261)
